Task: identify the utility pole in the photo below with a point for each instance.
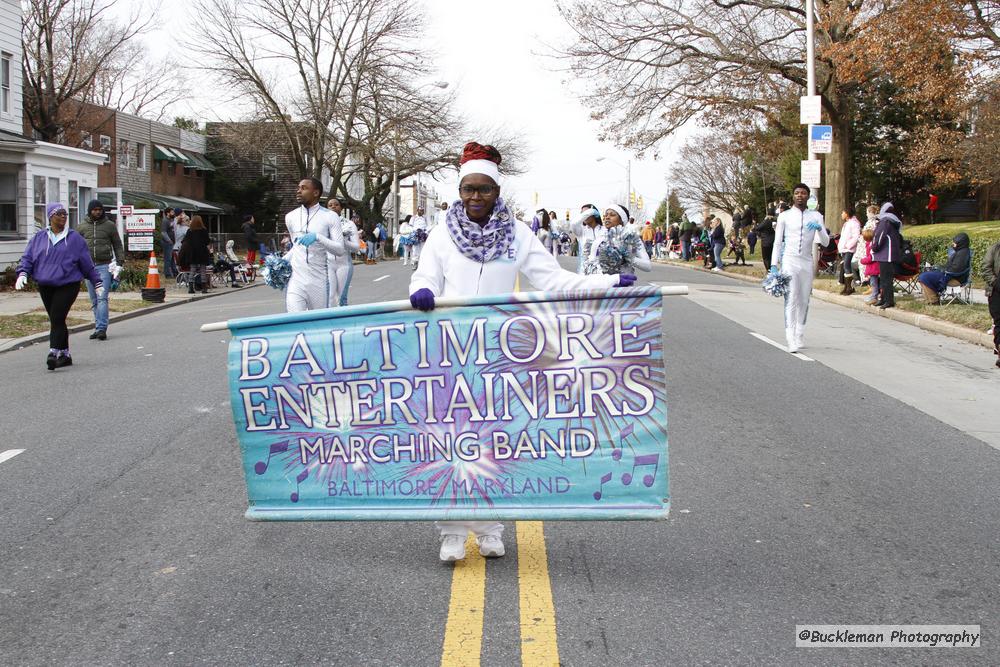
(395, 184)
(810, 62)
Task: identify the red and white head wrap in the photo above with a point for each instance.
(479, 159)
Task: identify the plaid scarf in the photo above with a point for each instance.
(481, 243)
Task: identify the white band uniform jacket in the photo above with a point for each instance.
(586, 238)
(310, 285)
(447, 272)
(792, 241)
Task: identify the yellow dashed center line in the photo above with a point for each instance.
(538, 614)
(463, 636)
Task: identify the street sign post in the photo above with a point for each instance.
(810, 109)
(811, 173)
(820, 138)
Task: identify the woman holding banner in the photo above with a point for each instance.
(480, 250)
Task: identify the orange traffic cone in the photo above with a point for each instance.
(153, 278)
(152, 291)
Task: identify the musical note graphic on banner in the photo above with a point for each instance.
(604, 480)
(261, 466)
(643, 460)
(616, 452)
(301, 477)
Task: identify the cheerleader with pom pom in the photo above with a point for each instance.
(317, 240)
(620, 250)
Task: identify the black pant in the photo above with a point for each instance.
(886, 271)
(58, 299)
(994, 302)
(765, 254)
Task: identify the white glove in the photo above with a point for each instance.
(114, 269)
(584, 215)
(22, 280)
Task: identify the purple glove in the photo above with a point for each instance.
(625, 280)
(422, 299)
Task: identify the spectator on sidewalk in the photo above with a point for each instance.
(869, 267)
(167, 241)
(195, 254)
(687, 229)
(991, 274)
(181, 226)
(887, 250)
(958, 268)
(847, 246)
(105, 246)
(647, 237)
(765, 234)
(718, 241)
(736, 248)
(58, 258)
(371, 241)
(251, 238)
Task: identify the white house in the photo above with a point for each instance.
(32, 173)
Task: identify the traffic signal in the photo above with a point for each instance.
(641, 207)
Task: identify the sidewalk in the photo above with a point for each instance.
(856, 302)
(130, 303)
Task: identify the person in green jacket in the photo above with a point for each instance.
(991, 274)
(105, 246)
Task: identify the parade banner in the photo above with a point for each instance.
(515, 406)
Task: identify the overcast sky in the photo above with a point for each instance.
(501, 80)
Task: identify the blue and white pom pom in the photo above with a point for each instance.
(277, 271)
(615, 254)
(776, 284)
(420, 235)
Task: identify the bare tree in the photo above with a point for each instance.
(709, 172)
(75, 51)
(337, 79)
(658, 64)
(135, 84)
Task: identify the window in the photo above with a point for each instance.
(140, 156)
(172, 168)
(122, 152)
(269, 167)
(8, 205)
(105, 144)
(53, 191)
(158, 166)
(5, 82)
(73, 204)
(38, 198)
(86, 140)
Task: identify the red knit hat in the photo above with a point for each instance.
(479, 159)
(474, 151)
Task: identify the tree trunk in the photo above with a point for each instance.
(837, 189)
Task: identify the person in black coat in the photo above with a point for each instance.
(195, 253)
(765, 234)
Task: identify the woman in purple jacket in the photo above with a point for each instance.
(887, 250)
(58, 259)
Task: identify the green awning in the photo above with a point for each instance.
(164, 153)
(136, 198)
(197, 161)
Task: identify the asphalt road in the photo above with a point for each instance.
(799, 495)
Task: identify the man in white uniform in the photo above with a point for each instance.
(418, 222)
(588, 230)
(318, 240)
(797, 232)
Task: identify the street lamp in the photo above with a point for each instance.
(628, 176)
(395, 164)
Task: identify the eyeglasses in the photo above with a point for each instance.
(472, 190)
(60, 212)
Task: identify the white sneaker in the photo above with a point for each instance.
(717, 269)
(490, 546)
(452, 548)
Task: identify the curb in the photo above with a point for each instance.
(19, 343)
(925, 322)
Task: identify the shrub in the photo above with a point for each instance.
(934, 249)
